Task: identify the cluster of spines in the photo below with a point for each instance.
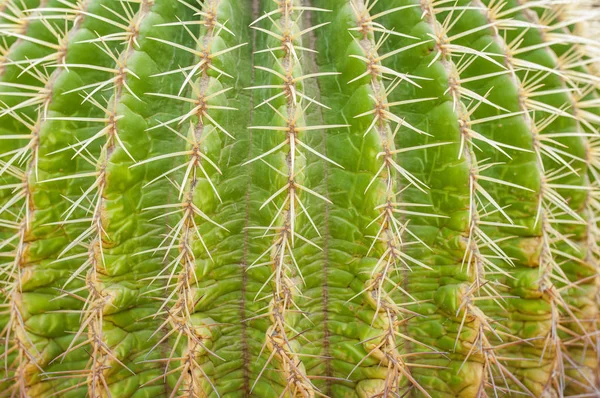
(283, 229)
(13, 19)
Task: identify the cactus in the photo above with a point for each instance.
(296, 198)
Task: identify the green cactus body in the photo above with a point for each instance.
(339, 198)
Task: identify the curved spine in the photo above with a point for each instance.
(13, 20)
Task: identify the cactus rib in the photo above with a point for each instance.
(180, 273)
(283, 228)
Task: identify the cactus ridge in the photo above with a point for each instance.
(477, 262)
(299, 198)
(38, 94)
(282, 229)
(526, 110)
(551, 228)
(180, 275)
(92, 312)
(388, 315)
(585, 239)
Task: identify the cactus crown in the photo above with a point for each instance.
(281, 198)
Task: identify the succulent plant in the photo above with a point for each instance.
(296, 198)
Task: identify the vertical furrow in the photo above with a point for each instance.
(347, 321)
(245, 338)
(315, 263)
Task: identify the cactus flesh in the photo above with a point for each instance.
(299, 198)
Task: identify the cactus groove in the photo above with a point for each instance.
(299, 198)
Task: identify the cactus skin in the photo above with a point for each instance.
(342, 198)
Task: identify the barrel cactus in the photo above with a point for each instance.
(299, 198)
